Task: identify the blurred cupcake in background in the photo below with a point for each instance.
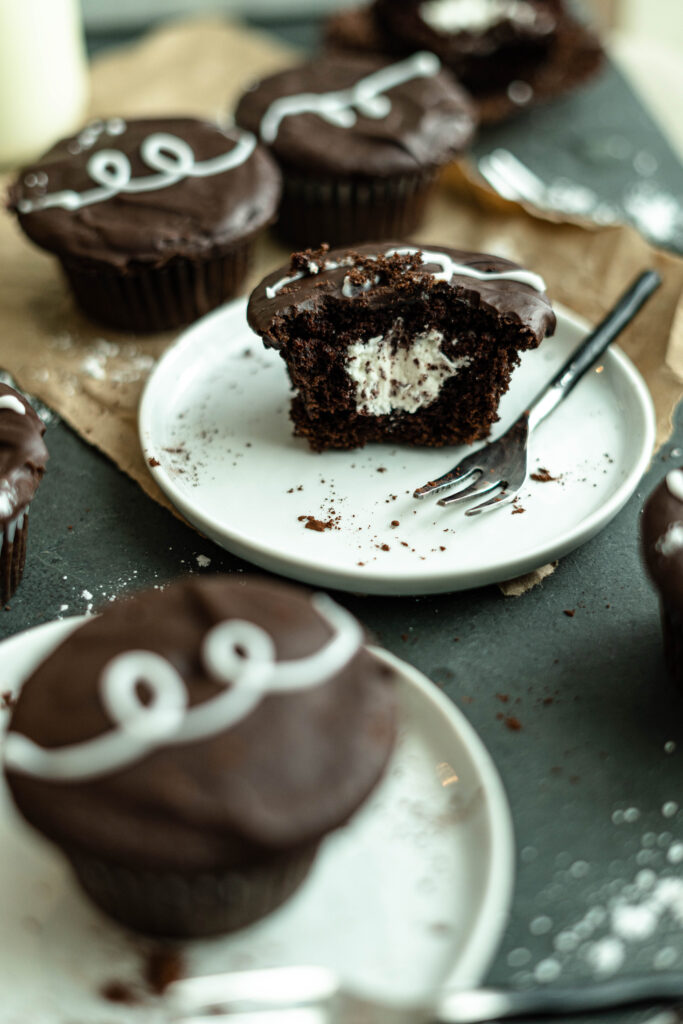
(360, 142)
(154, 221)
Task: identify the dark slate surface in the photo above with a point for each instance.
(588, 772)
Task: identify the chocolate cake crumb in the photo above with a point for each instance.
(542, 476)
(153, 462)
(503, 697)
(163, 966)
(316, 524)
(570, 612)
(395, 522)
(384, 547)
(517, 510)
(513, 723)
(7, 700)
(119, 992)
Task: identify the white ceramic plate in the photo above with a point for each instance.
(214, 416)
(414, 892)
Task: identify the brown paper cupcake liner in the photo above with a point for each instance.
(174, 905)
(13, 555)
(346, 211)
(143, 298)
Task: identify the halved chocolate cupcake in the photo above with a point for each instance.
(360, 142)
(23, 456)
(394, 343)
(154, 220)
(189, 748)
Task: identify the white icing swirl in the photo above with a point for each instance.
(238, 654)
(366, 96)
(448, 269)
(12, 403)
(475, 16)
(171, 157)
(674, 481)
(671, 542)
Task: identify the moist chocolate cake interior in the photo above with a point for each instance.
(481, 347)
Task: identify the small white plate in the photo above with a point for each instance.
(215, 432)
(413, 893)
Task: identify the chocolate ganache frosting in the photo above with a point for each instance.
(343, 114)
(341, 277)
(23, 454)
(195, 790)
(147, 190)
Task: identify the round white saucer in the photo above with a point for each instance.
(215, 433)
(413, 893)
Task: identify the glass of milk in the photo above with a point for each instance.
(43, 76)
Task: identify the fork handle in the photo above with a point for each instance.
(593, 347)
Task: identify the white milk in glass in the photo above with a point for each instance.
(43, 76)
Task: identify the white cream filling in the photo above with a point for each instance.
(672, 541)
(474, 15)
(404, 379)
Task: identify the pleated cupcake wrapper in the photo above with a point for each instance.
(142, 298)
(345, 211)
(174, 906)
(12, 555)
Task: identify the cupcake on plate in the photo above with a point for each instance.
(153, 220)
(189, 749)
(360, 142)
(662, 547)
(395, 343)
(23, 456)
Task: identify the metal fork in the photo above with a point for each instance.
(313, 995)
(501, 465)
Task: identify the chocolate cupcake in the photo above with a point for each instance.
(509, 54)
(662, 546)
(153, 221)
(360, 142)
(392, 343)
(22, 463)
(190, 748)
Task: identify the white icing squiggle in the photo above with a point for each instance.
(449, 269)
(170, 156)
(236, 653)
(14, 526)
(366, 96)
(674, 481)
(13, 404)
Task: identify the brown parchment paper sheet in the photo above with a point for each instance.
(92, 376)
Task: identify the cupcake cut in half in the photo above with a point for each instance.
(360, 142)
(395, 343)
(153, 220)
(189, 748)
(23, 456)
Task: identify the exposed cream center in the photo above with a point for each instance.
(403, 379)
(473, 15)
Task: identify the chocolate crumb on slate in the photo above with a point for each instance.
(119, 992)
(163, 966)
(570, 612)
(513, 723)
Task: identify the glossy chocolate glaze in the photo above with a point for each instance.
(431, 121)
(195, 217)
(516, 302)
(294, 769)
(662, 554)
(23, 456)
